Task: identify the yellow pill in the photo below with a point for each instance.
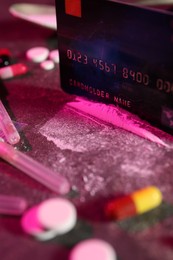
(147, 199)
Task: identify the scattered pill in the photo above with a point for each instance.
(12, 205)
(37, 54)
(52, 217)
(54, 56)
(135, 203)
(47, 65)
(57, 214)
(13, 70)
(30, 223)
(93, 249)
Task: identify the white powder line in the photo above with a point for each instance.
(117, 117)
(62, 144)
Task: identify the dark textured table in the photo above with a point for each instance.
(98, 159)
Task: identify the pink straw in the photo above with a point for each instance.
(35, 170)
(7, 126)
(12, 205)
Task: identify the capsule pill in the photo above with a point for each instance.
(13, 70)
(135, 203)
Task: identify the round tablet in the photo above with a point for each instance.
(37, 54)
(47, 65)
(93, 249)
(54, 55)
(30, 223)
(57, 214)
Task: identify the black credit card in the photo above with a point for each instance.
(120, 54)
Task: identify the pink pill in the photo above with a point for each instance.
(57, 214)
(32, 226)
(30, 223)
(37, 54)
(93, 249)
(54, 56)
(47, 65)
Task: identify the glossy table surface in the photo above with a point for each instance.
(99, 160)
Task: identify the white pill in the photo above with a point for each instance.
(57, 214)
(30, 223)
(47, 65)
(93, 249)
(37, 54)
(54, 56)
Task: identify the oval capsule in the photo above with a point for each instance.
(135, 203)
(13, 70)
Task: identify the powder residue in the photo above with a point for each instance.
(57, 132)
(117, 117)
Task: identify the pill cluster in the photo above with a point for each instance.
(7, 69)
(42, 55)
(57, 216)
(52, 217)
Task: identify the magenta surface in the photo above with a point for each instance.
(100, 160)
